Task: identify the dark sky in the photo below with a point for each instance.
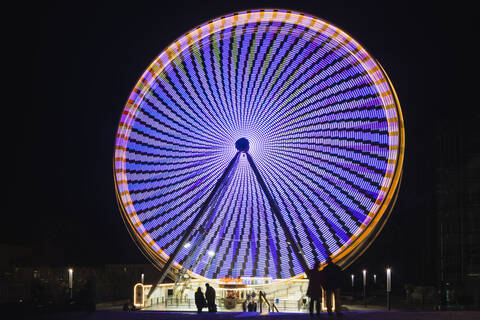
(71, 66)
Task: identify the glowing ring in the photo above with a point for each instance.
(325, 130)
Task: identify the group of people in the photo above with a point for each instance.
(330, 279)
(250, 304)
(207, 300)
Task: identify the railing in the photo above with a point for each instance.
(263, 299)
(169, 302)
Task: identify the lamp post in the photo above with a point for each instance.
(143, 278)
(374, 279)
(364, 287)
(70, 282)
(389, 286)
(353, 285)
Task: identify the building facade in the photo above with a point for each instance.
(457, 196)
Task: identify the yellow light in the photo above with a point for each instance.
(137, 303)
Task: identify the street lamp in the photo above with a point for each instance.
(143, 278)
(353, 285)
(389, 286)
(375, 279)
(364, 287)
(70, 281)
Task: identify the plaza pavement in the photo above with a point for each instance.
(348, 315)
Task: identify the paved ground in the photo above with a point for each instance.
(349, 315)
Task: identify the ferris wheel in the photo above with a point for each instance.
(256, 143)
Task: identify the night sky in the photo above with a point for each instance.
(71, 66)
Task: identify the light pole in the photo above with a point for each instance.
(364, 287)
(143, 278)
(70, 282)
(353, 285)
(389, 286)
(374, 279)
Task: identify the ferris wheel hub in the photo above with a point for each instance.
(242, 145)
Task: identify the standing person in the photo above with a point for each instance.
(200, 300)
(314, 290)
(254, 303)
(333, 277)
(210, 296)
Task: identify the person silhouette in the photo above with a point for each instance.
(210, 296)
(314, 290)
(333, 277)
(200, 300)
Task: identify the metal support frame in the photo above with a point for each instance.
(201, 230)
(273, 204)
(191, 228)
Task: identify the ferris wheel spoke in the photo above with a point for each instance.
(322, 224)
(336, 170)
(325, 186)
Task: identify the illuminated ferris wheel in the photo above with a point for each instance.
(255, 143)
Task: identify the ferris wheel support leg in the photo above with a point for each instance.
(191, 228)
(276, 211)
